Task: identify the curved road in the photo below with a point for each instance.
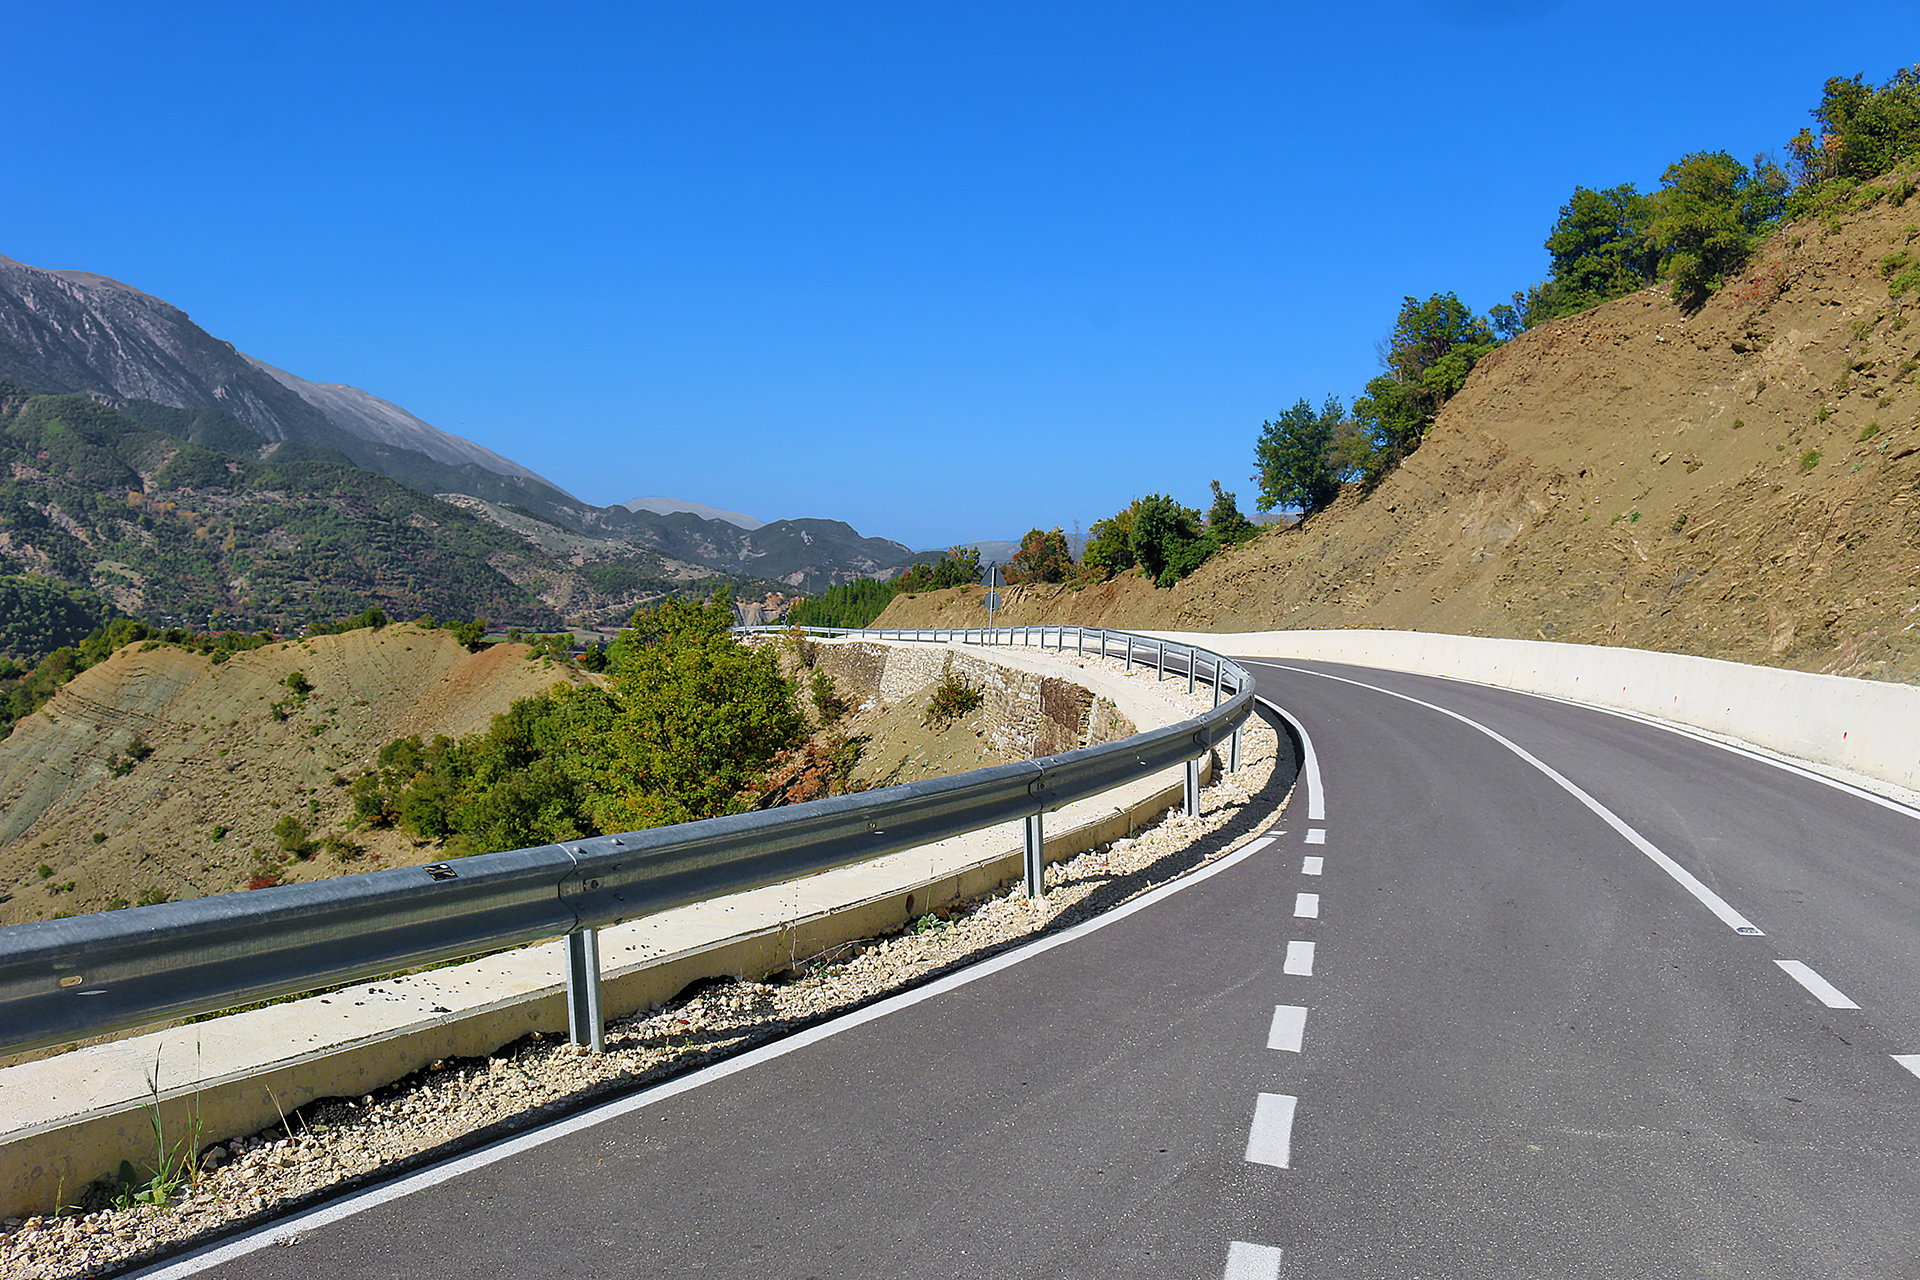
(1514, 988)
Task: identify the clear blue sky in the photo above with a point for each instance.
(943, 271)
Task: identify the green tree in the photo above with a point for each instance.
(1167, 539)
(698, 718)
(1109, 548)
(1599, 250)
(1225, 524)
(1707, 216)
(1433, 347)
(1042, 557)
(1295, 457)
(1864, 132)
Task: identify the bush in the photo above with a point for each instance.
(825, 700)
(1167, 540)
(952, 698)
(293, 836)
(1042, 557)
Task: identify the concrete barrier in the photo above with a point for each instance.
(1870, 727)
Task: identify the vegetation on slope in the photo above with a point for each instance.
(685, 728)
(1693, 234)
(858, 603)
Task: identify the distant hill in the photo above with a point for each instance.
(667, 506)
(187, 535)
(371, 418)
(78, 333)
(75, 332)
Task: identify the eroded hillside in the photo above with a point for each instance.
(235, 747)
(1739, 483)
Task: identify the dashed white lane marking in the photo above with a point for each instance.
(1823, 991)
(1252, 1261)
(1289, 1026)
(1311, 864)
(1271, 1141)
(1299, 959)
(1316, 835)
(1911, 1061)
(1685, 878)
(1306, 906)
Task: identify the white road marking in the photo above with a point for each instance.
(1299, 959)
(1252, 1261)
(432, 1176)
(1311, 864)
(1306, 906)
(1749, 750)
(1289, 1025)
(1823, 991)
(1271, 1141)
(1316, 835)
(1685, 878)
(1257, 843)
(1911, 1061)
(1309, 763)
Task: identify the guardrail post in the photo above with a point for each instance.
(1036, 857)
(1233, 751)
(1193, 660)
(1159, 661)
(1216, 682)
(584, 1023)
(1193, 787)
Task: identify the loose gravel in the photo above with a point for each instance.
(337, 1144)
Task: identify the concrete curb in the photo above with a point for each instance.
(1870, 727)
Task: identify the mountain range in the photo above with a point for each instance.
(77, 333)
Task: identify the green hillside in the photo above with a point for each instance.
(236, 536)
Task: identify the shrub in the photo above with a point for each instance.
(293, 836)
(1167, 540)
(825, 700)
(952, 698)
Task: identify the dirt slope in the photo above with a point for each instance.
(1741, 483)
(222, 758)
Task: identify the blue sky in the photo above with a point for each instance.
(943, 271)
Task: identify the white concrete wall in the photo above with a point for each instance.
(1868, 726)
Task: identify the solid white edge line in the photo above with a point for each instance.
(1684, 878)
(1761, 754)
(265, 1236)
(1822, 990)
(1252, 1261)
(1309, 763)
(1306, 906)
(1288, 1029)
(1312, 864)
(1911, 1061)
(1270, 1141)
(1299, 959)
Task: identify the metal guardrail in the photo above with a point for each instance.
(61, 980)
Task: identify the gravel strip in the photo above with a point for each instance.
(334, 1144)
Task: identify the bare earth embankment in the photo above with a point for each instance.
(1741, 483)
(234, 749)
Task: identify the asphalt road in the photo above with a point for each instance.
(1482, 1007)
